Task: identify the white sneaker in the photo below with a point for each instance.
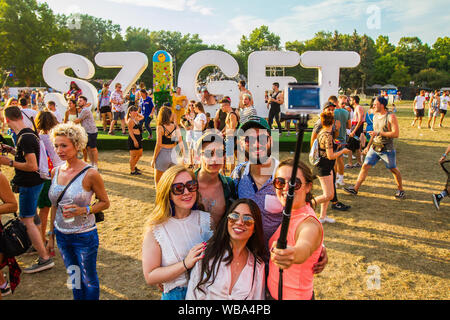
(353, 157)
(327, 220)
(340, 181)
(419, 127)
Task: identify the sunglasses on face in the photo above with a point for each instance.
(233, 217)
(263, 140)
(280, 183)
(178, 188)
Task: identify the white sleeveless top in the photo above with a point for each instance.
(177, 236)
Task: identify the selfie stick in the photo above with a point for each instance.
(282, 240)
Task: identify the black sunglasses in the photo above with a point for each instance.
(280, 183)
(178, 188)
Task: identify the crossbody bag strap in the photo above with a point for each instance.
(32, 121)
(71, 181)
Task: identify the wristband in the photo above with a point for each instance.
(88, 210)
(184, 264)
(11, 163)
(444, 155)
(50, 233)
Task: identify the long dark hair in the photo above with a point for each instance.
(219, 244)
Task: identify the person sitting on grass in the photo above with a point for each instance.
(232, 267)
(437, 198)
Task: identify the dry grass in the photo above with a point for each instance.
(407, 240)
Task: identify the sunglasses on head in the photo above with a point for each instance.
(178, 188)
(233, 217)
(280, 183)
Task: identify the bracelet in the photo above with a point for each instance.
(444, 155)
(50, 233)
(184, 264)
(11, 163)
(88, 210)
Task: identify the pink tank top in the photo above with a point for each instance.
(298, 280)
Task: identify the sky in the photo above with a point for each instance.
(224, 22)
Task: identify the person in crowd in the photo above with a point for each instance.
(433, 109)
(40, 100)
(104, 106)
(51, 106)
(419, 108)
(275, 101)
(369, 119)
(74, 91)
(209, 122)
(381, 147)
(328, 156)
(232, 267)
(147, 109)
(175, 233)
(168, 136)
(329, 106)
(243, 90)
(445, 103)
(445, 164)
(77, 240)
(133, 119)
(13, 102)
(8, 205)
(229, 132)
(217, 191)
(354, 137)
(207, 98)
(117, 106)
(221, 114)
(199, 125)
(342, 116)
(87, 121)
(141, 87)
(247, 110)
(33, 100)
(72, 111)
(179, 102)
(29, 115)
(46, 121)
(254, 179)
(27, 182)
(304, 237)
(131, 96)
(187, 122)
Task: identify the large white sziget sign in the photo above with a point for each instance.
(133, 64)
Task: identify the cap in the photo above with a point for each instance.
(255, 122)
(328, 104)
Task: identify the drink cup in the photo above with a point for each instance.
(64, 203)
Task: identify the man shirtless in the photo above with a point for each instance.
(242, 91)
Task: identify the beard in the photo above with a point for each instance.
(258, 159)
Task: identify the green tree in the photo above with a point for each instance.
(400, 77)
(412, 53)
(30, 33)
(383, 46)
(432, 78)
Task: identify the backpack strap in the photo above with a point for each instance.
(32, 121)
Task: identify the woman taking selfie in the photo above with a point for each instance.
(304, 238)
(72, 216)
(232, 268)
(176, 233)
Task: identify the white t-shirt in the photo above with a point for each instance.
(198, 121)
(419, 102)
(58, 116)
(444, 102)
(31, 114)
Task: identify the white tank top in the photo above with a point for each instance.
(177, 236)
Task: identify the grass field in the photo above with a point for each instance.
(405, 243)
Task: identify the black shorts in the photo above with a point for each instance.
(131, 143)
(420, 112)
(105, 109)
(324, 167)
(353, 144)
(443, 111)
(92, 140)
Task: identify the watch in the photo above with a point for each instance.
(11, 163)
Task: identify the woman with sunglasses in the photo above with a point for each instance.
(232, 268)
(324, 169)
(304, 238)
(176, 233)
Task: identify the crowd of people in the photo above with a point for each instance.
(220, 193)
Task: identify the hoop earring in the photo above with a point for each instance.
(80, 155)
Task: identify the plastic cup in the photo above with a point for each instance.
(64, 203)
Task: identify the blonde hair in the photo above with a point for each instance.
(161, 213)
(74, 132)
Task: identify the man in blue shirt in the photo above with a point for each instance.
(147, 110)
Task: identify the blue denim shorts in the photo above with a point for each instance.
(28, 200)
(389, 158)
(178, 293)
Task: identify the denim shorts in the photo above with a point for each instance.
(28, 200)
(389, 158)
(178, 293)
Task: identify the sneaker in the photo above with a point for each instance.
(340, 182)
(400, 194)
(40, 265)
(348, 166)
(340, 206)
(351, 190)
(7, 290)
(136, 169)
(136, 173)
(357, 165)
(353, 157)
(327, 220)
(111, 133)
(345, 155)
(436, 200)
(31, 250)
